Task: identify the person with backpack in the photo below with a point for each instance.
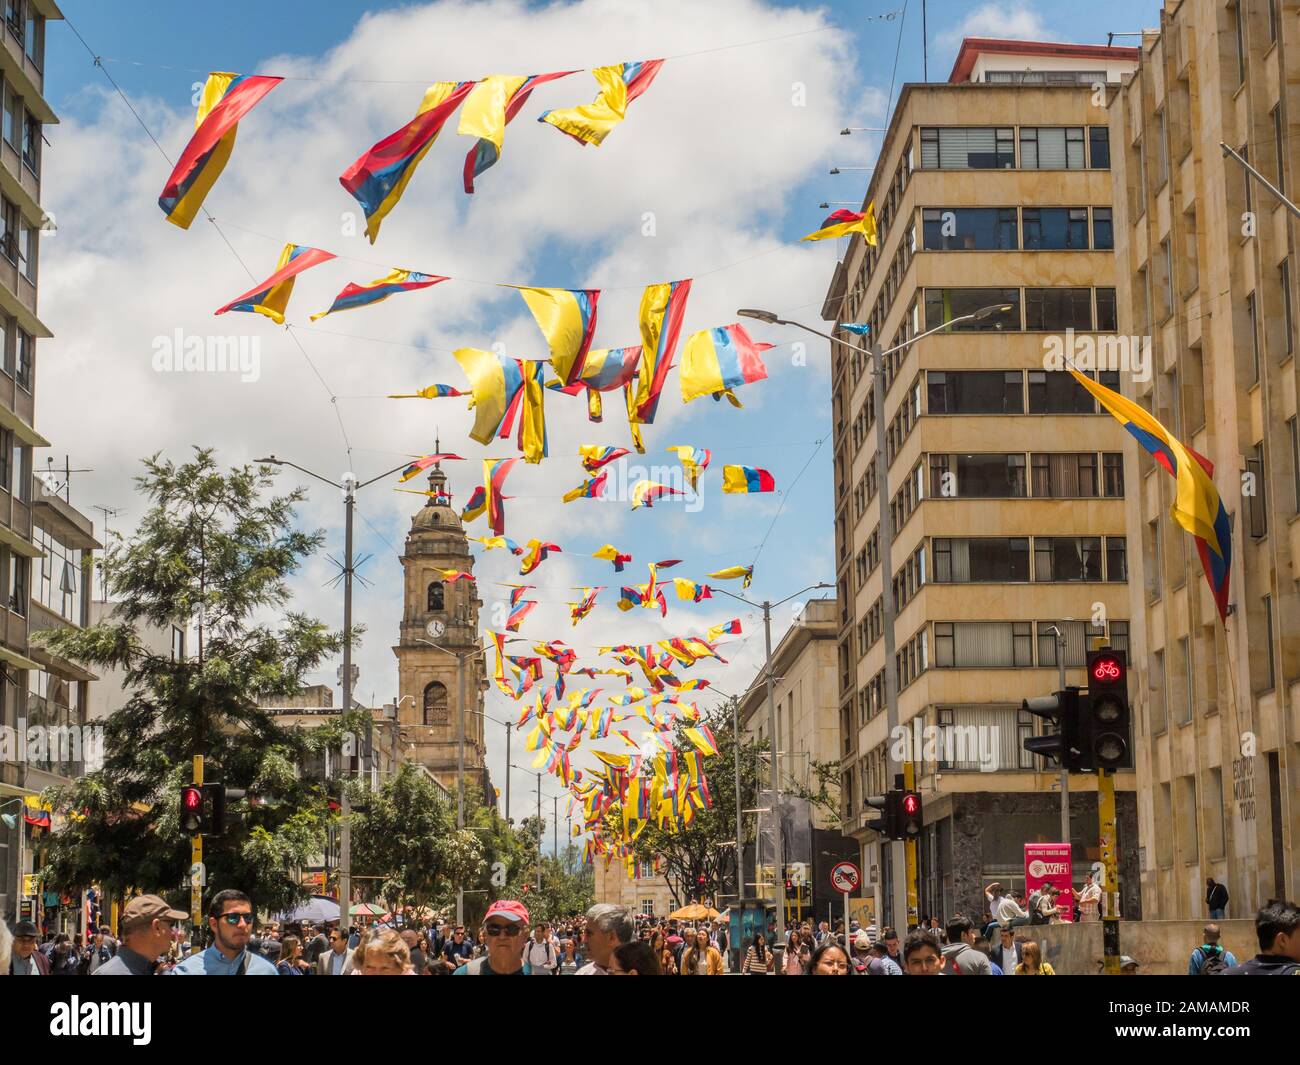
(1210, 958)
(540, 956)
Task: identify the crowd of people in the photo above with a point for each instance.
(608, 940)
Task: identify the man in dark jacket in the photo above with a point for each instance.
(1277, 926)
(26, 960)
(1216, 899)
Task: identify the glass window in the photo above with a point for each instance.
(1116, 558)
(975, 392)
(1107, 320)
(980, 559)
(27, 249)
(1103, 232)
(1112, 465)
(6, 458)
(969, 228)
(944, 304)
(31, 143)
(23, 359)
(1099, 147)
(9, 229)
(1051, 148)
(14, 112)
(980, 476)
(1056, 309)
(1067, 558)
(34, 45)
(18, 596)
(1255, 496)
(22, 468)
(968, 148)
(178, 644)
(1056, 228)
(1065, 475)
(1057, 392)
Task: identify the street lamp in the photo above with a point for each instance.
(847, 130)
(842, 169)
(510, 725)
(349, 486)
(538, 774)
(886, 534)
(10, 820)
(838, 203)
(777, 856)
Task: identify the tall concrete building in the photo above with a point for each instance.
(25, 113)
(1006, 483)
(439, 622)
(1208, 272)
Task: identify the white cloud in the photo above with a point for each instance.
(715, 150)
(1014, 21)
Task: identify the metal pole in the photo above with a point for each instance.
(740, 853)
(555, 827)
(196, 858)
(897, 889)
(1065, 773)
(1110, 919)
(925, 64)
(777, 848)
(509, 728)
(460, 778)
(345, 806)
(910, 852)
(539, 833)
(1262, 180)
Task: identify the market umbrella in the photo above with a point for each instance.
(694, 911)
(319, 909)
(366, 909)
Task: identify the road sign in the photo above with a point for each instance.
(845, 877)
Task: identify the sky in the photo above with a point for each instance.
(717, 171)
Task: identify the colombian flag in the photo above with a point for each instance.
(535, 554)
(842, 223)
(644, 493)
(495, 472)
(739, 479)
(271, 297)
(589, 489)
(610, 553)
(487, 112)
(423, 463)
(518, 613)
(690, 590)
(567, 319)
(662, 309)
(578, 611)
(378, 178)
(432, 392)
(494, 384)
(594, 456)
(731, 628)
(694, 460)
(1197, 506)
(702, 738)
(226, 99)
(619, 86)
(476, 507)
(605, 370)
(732, 572)
(517, 592)
(354, 295)
(717, 360)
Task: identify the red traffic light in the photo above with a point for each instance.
(910, 804)
(1107, 669)
(191, 798)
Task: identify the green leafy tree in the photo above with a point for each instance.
(215, 548)
(407, 836)
(699, 860)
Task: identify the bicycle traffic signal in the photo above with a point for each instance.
(1105, 726)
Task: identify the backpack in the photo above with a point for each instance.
(1212, 963)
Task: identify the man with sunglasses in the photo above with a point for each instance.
(337, 960)
(505, 922)
(146, 927)
(230, 917)
(458, 949)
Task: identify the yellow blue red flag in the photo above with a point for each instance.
(567, 319)
(271, 297)
(663, 307)
(494, 385)
(354, 295)
(717, 360)
(742, 479)
(619, 86)
(844, 223)
(490, 107)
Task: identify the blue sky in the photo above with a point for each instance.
(715, 152)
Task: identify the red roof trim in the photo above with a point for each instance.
(973, 47)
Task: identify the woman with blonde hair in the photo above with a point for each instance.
(382, 953)
(1031, 961)
(702, 958)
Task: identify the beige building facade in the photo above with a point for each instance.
(1209, 274)
(807, 705)
(1006, 483)
(648, 893)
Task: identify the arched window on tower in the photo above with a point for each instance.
(436, 596)
(435, 704)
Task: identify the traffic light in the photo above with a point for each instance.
(909, 814)
(1062, 746)
(192, 809)
(886, 825)
(1105, 724)
(220, 797)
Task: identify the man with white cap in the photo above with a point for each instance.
(146, 928)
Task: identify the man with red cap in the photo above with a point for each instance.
(506, 921)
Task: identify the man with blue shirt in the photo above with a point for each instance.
(231, 919)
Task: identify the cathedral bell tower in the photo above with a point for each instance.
(440, 622)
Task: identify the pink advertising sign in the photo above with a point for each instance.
(1050, 863)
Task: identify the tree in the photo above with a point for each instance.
(700, 859)
(407, 835)
(214, 548)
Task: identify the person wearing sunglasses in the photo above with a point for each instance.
(230, 917)
(503, 925)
